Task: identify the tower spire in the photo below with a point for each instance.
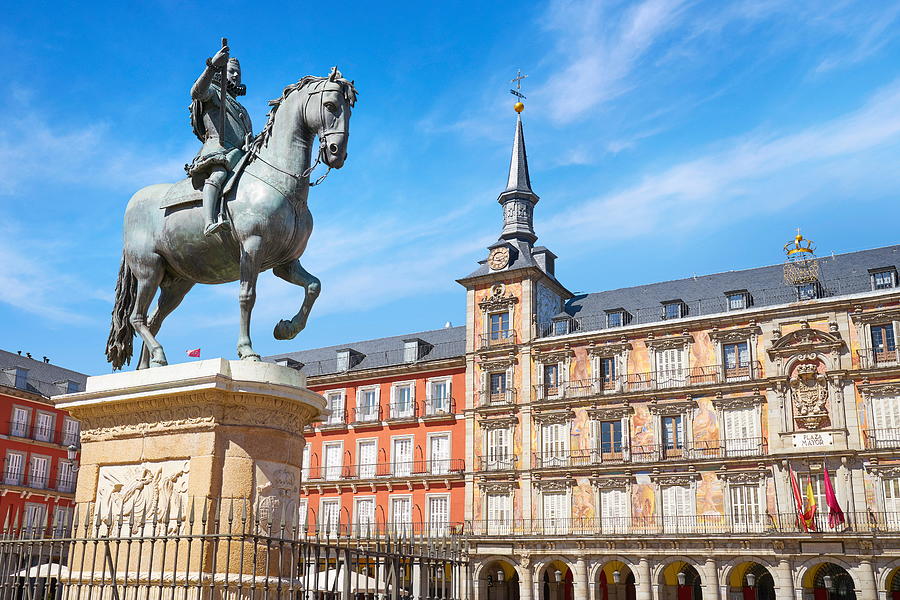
(518, 199)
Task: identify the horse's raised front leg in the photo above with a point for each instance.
(296, 274)
(250, 261)
(149, 273)
(171, 292)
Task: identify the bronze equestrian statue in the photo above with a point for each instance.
(166, 246)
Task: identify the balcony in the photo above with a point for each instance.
(881, 439)
(413, 468)
(497, 339)
(363, 415)
(505, 397)
(779, 525)
(398, 529)
(649, 381)
(19, 478)
(41, 434)
(440, 407)
(496, 463)
(336, 420)
(403, 411)
(619, 454)
(876, 359)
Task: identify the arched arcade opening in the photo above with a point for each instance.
(679, 580)
(615, 581)
(557, 581)
(751, 581)
(499, 580)
(828, 581)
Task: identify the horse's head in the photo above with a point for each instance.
(328, 114)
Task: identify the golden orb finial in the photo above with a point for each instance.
(518, 107)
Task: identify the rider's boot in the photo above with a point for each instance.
(213, 222)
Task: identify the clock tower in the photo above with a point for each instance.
(512, 299)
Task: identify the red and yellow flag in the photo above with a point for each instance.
(809, 508)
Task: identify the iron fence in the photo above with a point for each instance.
(877, 439)
(229, 549)
(614, 453)
(400, 468)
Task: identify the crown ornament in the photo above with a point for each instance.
(800, 245)
(801, 266)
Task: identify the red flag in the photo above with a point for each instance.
(798, 500)
(835, 514)
(195, 353)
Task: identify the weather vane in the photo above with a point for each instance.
(519, 107)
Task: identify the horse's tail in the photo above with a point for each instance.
(121, 333)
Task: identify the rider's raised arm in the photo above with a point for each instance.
(201, 88)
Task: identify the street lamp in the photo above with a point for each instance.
(71, 453)
(681, 578)
(558, 575)
(617, 577)
(751, 579)
(499, 575)
(828, 581)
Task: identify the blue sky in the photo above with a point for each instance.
(666, 138)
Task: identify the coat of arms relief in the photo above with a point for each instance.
(143, 499)
(277, 493)
(809, 391)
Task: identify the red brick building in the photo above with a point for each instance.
(38, 480)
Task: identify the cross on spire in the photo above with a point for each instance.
(518, 81)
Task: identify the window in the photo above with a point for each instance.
(891, 488)
(330, 516)
(561, 326)
(439, 453)
(367, 404)
(39, 471)
(366, 452)
(43, 426)
(364, 516)
(674, 310)
(335, 403)
(438, 401)
(677, 508)
(333, 458)
(818, 485)
(411, 351)
(808, 291)
(401, 514)
(66, 476)
(556, 512)
(62, 520)
(499, 325)
(673, 434)
(499, 514)
(21, 418)
(497, 388)
(306, 452)
(35, 517)
(554, 444)
(883, 338)
(438, 515)
(21, 378)
(742, 436)
(343, 360)
(71, 432)
(670, 368)
(738, 300)
(746, 511)
(608, 438)
(607, 367)
(617, 318)
(15, 467)
(737, 360)
(550, 374)
(886, 422)
(72, 386)
(614, 511)
(402, 405)
(884, 279)
(401, 456)
(303, 513)
(498, 449)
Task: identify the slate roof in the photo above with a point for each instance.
(43, 378)
(449, 342)
(840, 274)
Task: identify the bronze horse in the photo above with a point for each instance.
(165, 249)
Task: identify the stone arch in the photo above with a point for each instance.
(885, 572)
(490, 584)
(548, 586)
(487, 560)
(668, 581)
(613, 578)
(726, 569)
(657, 571)
(801, 570)
(597, 566)
(841, 573)
(749, 576)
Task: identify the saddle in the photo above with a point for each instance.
(190, 189)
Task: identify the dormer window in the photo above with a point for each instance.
(414, 350)
(347, 358)
(289, 362)
(884, 278)
(21, 378)
(562, 326)
(738, 299)
(808, 291)
(617, 317)
(72, 386)
(674, 309)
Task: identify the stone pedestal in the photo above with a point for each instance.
(175, 459)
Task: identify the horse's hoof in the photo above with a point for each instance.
(283, 331)
(251, 357)
(159, 363)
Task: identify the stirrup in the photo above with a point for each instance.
(214, 227)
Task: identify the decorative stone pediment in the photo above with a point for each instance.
(880, 315)
(737, 477)
(554, 485)
(499, 422)
(498, 300)
(738, 402)
(675, 407)
(497, 486)
(878, 390)
(739, 334)
(553, 417)
(668, 343)
(609, 349)
(605, 413)
(664, 479)
(806, 341)
(606, 483)
(558, 355)
(498, 363)
(886, 472)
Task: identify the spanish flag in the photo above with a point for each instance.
(809, 508)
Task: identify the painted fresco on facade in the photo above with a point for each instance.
(706, 424)
(583, 499)
(710, 495)
(642, 433)
(643, 501)
(581, 430)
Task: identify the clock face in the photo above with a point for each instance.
(498, 258)
(547, 304)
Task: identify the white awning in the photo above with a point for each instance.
(332, 580)
(44, 570)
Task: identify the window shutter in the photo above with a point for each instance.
(13, 468)
(440, 454)
(38, 471)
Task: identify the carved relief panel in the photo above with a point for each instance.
(132, 499)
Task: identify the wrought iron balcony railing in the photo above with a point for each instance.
(873, 359)
(41, 434)
(493, 339)
(439, 406)
(408, 468)
(366, 414)
(400, 411)
(497, 398)
(496, 463)
(337, 418)
(619, 453)
(877, 439)
(763, 524)
(647, 381)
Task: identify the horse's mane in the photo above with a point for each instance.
(347, 87)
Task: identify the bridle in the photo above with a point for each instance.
(323, 133)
